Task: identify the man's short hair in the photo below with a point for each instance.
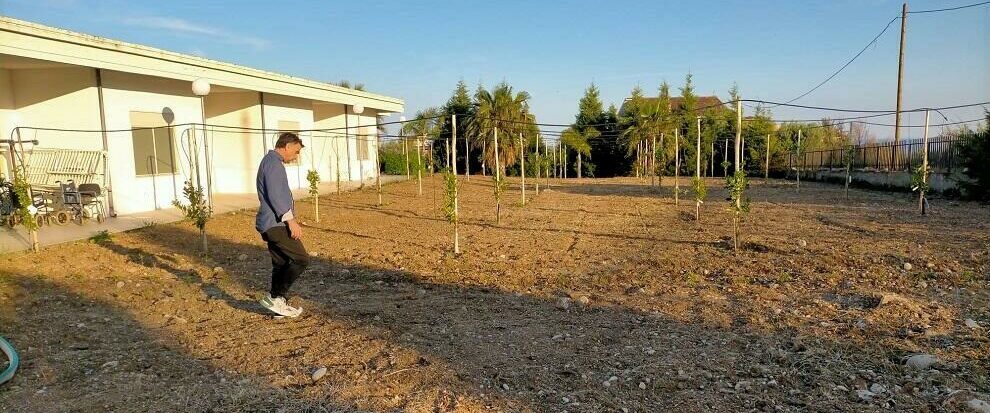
(286, 138)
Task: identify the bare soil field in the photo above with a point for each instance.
(597, 295)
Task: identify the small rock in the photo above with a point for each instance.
(625, 410)
(319, 373)
(314, 254)
(743, 385)
(242, 257)
(930, 265)
(841, 388)
(802, 243)
(110, 364)
(607, 383)
(505, 386)
(908, 266)
(613, 378)
(565, 400)
(877, 388)
(978, 406)
(864, 395)
(921, 361)
(502, 256)
(563, 303)
(583, 300)
(642, 386)
(120, 284)
(217, 270)
(971, 323)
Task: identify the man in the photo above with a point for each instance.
(277, 224)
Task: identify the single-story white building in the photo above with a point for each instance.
(134, 105)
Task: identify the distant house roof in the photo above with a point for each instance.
(677, 103)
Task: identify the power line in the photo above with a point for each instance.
(874, 40)
(836, 73)
(950, 8)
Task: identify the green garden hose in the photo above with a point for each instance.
(12, 356)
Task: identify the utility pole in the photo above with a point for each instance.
(900, 82)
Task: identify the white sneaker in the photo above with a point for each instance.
(278, 306)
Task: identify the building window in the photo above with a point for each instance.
(363, 141)
(366, 143)
(154, 145)
(288, 126)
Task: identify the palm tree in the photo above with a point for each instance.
(635, 126)
(500, 111)
(579, 142)
(504, 110)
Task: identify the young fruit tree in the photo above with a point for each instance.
(737, 184)
(739, 203)
(25, 212)
(450, 186)
(919, 179)
(522, 167)
(849, 155)
(196, 210)
(798, 159)
(498, 183)
(677, 165)
(699, 184)
(313, 177)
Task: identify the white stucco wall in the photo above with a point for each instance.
(61, 98)
(286, 108)
(236, 152)
(363, 124)
(6, 120)
(124, 93)
(329, 147)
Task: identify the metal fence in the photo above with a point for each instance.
(887, 157)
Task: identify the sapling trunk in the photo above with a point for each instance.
(498, 183)
(677, 165)
(419, 165)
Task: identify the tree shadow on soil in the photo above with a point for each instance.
(187, 275)
(85, 352)
(612, 189)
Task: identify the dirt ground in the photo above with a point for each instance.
(597, 295)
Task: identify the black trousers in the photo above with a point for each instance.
(289, 258)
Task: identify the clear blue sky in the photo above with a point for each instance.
(418, 50)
